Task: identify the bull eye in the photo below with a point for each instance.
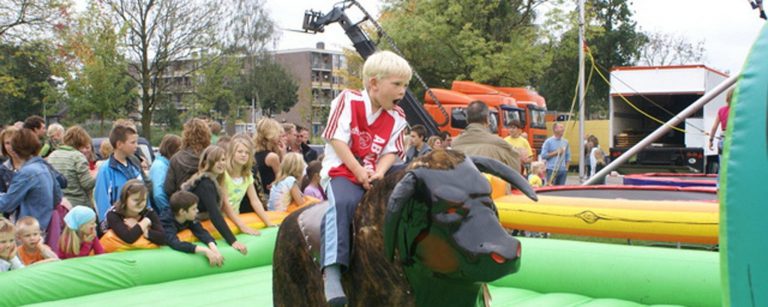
(457, 210)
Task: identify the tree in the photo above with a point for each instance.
(215, 87)
(612, 39)
(352, 74)
(493, 42)
(275, 89)
(26, 79)
(250, 31)
(667, 49)
(100, 83)
(29, 15)
(158, 34)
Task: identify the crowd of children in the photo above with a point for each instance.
(122, 201)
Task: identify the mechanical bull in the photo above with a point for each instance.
(426, 236)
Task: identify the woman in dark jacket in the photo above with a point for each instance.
(194, 139)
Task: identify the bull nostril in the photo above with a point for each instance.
(497, 258)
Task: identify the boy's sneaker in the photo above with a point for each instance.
(334, 291)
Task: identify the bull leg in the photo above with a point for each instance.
(296, 280)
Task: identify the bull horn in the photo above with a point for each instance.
(400, 195)
(498, 169)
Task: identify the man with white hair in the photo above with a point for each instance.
(55, 136)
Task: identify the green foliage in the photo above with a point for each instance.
(492, 42)
(26, 81)
(215, 86)
(612, 39)
(272, 86)
(100, 85)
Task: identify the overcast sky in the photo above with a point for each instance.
(728, 28)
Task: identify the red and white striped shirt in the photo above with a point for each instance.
(369, 135)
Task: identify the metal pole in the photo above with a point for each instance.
(693, 108)
(581, 91)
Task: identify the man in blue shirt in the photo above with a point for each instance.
(557, 153)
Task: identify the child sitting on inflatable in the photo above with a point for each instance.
(363, 135)
(238, 179)
(32, 249)
(206, 184)
(131, 223)
(8, 258)
(182, 216)
(286, 188)
(79, 238)
(311, 183)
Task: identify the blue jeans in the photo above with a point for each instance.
(559, 176)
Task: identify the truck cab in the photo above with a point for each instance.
(529, 106)
(639, 94)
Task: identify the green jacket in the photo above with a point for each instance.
(74, 166)
(476, 140)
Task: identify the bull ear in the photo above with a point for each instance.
(498, 169)
(400, 195)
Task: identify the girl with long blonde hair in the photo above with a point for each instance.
(212, 200)
(286, 189)
(238, 179)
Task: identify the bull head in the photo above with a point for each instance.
(446, 219)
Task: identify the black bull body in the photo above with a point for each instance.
(428, 236)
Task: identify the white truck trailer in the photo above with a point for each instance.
(639, 94)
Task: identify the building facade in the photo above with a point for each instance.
(316, 71)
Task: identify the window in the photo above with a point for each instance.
(493, 122)
(458, 118)
(537, 117)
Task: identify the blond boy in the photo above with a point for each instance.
(32, 249)
(363, 137)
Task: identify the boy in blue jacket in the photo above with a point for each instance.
(117, 170)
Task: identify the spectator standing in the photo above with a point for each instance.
(306, 151)
(9, 168)
(267, 156)
(419, 145)
(117, 170)
(720, 121)
(596, 157)
(435, 142)
(70, 161)
(169, 146)
(55, 137)
(557, 153)
(519, 143)
(36, 124)
(445, 136)
(194, 139)
(34, 191)
(215, 131)
(478, 140)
